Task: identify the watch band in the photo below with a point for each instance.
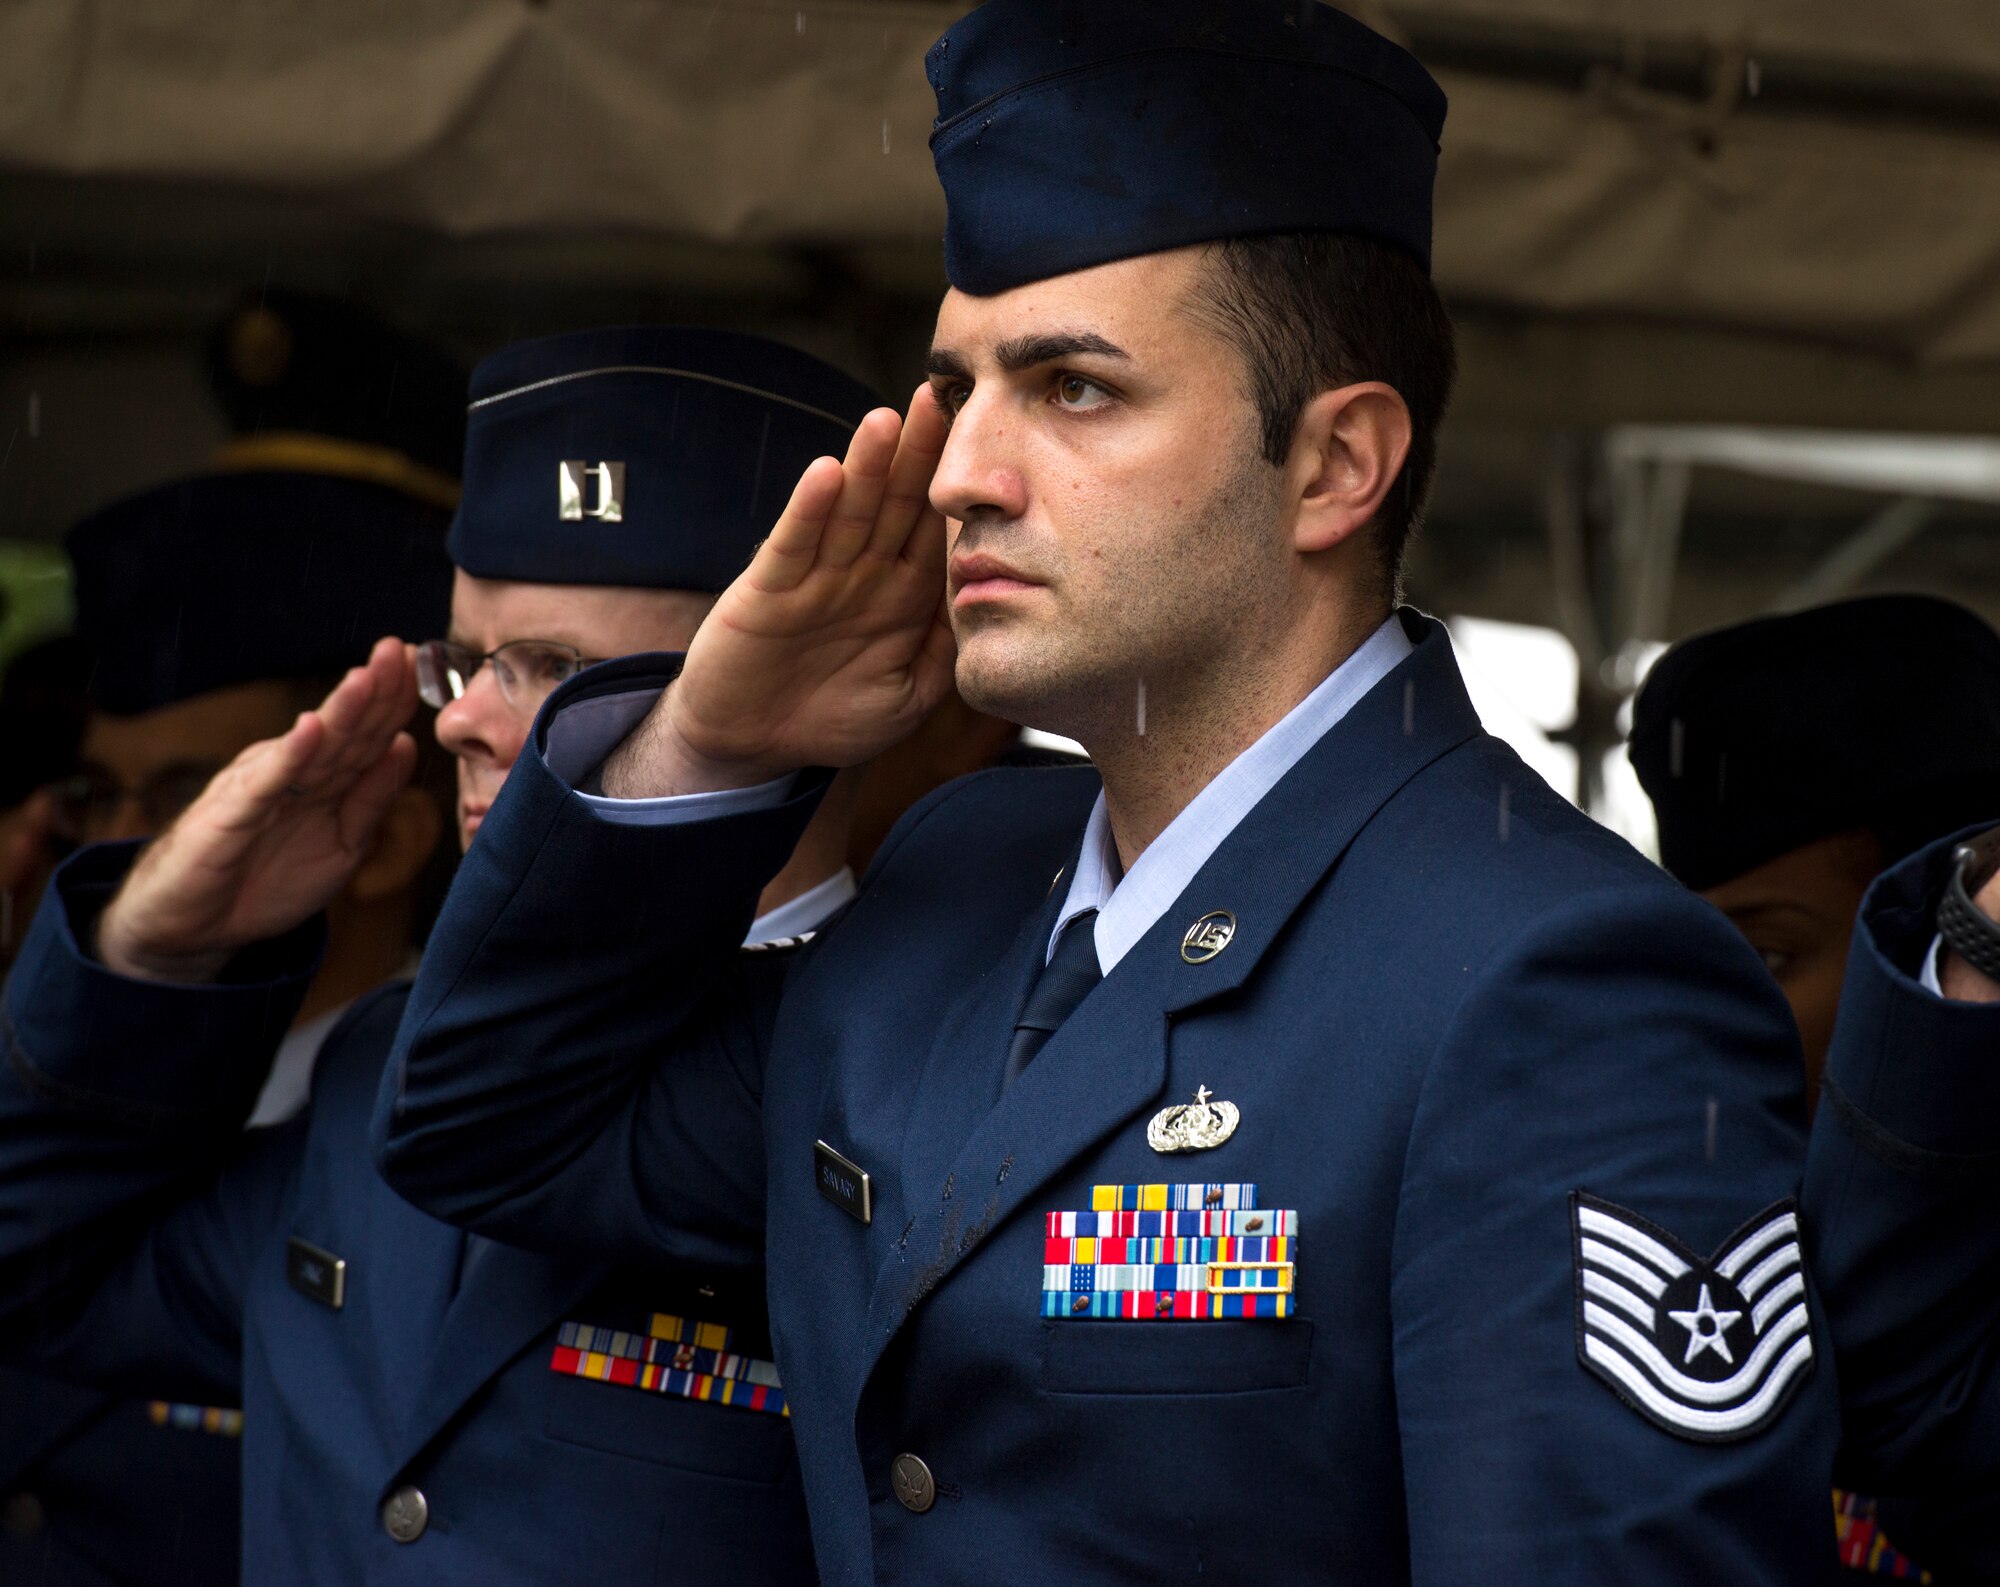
(1966, 928)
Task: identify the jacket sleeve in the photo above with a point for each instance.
(580, 1066)
(119, 1099)
(1628, 1048)
(1903, 1188)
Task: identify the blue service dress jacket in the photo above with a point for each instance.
(100, 1490)
(416, 1407)
(1477, 1050)
(1902, 1191)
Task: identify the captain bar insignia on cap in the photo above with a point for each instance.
(573, 482)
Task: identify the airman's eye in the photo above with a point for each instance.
(1778, 961)
(951, 397)
(1074, 391)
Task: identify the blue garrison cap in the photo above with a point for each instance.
(1074, 132)
(231, 578)
(1882, 712)
(655, 456)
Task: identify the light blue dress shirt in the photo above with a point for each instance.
(1128, 905)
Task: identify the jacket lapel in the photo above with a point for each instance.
(508, 1299)
(1109, 1060)
(960, 1083)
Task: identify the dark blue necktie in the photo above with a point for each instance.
(1065, 982)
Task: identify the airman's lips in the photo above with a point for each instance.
(975, 577)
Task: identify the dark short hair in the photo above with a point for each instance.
(1313, 311)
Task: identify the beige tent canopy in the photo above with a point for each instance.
(1715, 212)
(1817, 168)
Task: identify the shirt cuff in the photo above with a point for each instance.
(1927, 978)
(582, 736)
(674, 809)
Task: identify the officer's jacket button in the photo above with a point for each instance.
(22, 1516)
(405, 1514)
(911, 1479)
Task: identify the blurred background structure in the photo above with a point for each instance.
(1726, 272)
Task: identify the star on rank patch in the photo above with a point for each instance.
(1711, 1349)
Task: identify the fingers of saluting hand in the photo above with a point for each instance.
(866, 473)
(905, 522)
(364, 805)
(358, 721)
(788, 554)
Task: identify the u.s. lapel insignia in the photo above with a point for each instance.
(1711, 1349)
(1208, 936)
(1193, 1126)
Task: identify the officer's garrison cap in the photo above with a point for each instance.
(648, 456)
(1881, 713)
(1071, 133)
(233, 578)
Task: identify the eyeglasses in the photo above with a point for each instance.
(87, 802)
(526, 670)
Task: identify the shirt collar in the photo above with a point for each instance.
(807, 912)
(1128, 905)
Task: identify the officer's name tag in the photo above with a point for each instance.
(844, 1183)
(317, 1273)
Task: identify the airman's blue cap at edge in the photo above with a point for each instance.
(1071, 133)
(650, 456)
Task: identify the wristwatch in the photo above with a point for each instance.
(1967, 929)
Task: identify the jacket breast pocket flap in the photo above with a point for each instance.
(694, 1435)
(1217, 1357)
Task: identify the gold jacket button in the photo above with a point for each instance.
(911, 1479)
(405, 1514)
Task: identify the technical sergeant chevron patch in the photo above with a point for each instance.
(1710, 1349)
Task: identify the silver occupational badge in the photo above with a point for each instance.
(1193, 1126)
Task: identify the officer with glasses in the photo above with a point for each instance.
(419, 1404)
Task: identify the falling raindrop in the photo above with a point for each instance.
(1142, 707)
(1409, 707)
(1506, 798)
(885, 134)
(1714, 1119)
(34, 415)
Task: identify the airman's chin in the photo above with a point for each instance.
(1017, 678)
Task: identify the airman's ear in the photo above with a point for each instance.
(1347, 455)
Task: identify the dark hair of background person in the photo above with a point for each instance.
(43, 706)
(1313, 311)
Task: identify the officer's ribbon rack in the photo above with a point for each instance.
(676, 1356)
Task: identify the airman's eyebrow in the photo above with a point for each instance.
(1029, 352)
(1024, 352)
(941, 363)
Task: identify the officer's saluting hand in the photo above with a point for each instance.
(274, 836)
